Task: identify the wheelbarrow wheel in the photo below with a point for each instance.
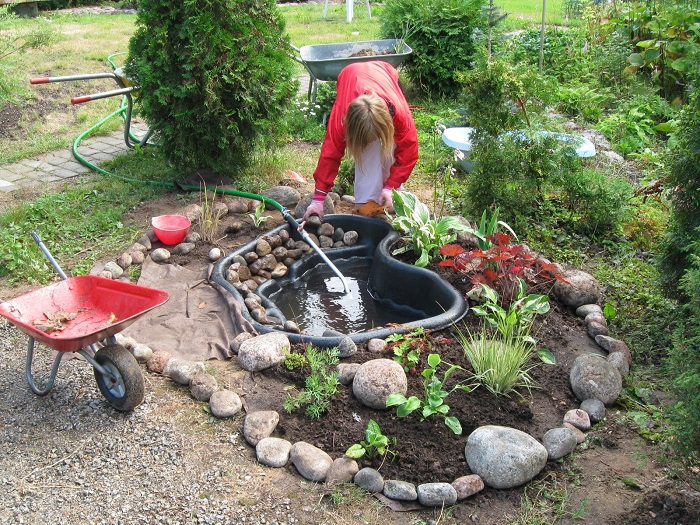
(124, 390)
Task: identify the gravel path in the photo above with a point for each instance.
(69, 458)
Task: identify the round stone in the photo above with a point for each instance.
(376, 380)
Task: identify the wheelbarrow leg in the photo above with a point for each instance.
(28, 369)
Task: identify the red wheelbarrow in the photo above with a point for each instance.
(83, 314)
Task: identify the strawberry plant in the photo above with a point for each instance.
(408, 347)
(434, 395)
(499, 266)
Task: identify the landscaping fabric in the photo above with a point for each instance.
(196, 323)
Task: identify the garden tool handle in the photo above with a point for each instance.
(48, 255)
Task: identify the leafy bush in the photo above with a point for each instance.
(666, 39)
(594, 202)
(684, 185)
(440, 34)
(499, 96)
(580, 99)
(564, 54)
(214, 77)
(684, 362)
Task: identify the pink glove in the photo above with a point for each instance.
(385, 199)
(315, 208)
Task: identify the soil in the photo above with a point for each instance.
(614, 477)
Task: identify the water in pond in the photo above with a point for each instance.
(316, 302)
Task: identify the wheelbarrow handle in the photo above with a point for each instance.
(70, 78)
(104, 94)
(48, 255)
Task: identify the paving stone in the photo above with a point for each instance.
(8, 189)
(9, 176)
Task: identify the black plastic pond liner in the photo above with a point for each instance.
(394, 284)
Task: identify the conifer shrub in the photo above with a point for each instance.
(683, 183)
(213, 77)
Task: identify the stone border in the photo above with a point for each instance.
(595, 380)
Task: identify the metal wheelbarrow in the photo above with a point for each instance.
(325, 61)
(83, 314)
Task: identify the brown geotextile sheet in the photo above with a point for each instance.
(198, 322)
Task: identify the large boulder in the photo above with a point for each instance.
(580, 288)
(504, 457)
(593, 377)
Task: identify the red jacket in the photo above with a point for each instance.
(354, 80)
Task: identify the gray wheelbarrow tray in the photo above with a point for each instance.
(325, 61)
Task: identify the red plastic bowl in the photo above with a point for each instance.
(171, 229)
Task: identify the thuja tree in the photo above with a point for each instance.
(213, 77)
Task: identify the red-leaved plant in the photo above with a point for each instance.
(500, 265)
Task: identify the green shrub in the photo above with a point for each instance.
(684, 363)
(214, 77)
(440, 34)
(499, 96)
(684, 185)
(564, 57)
(595, 202)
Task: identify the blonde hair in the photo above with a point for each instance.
(368, 119)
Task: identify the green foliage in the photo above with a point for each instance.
(565, 55)
(666, 40)
(424, 235)
(376, 444)
(515, 322)
(345, 181)
(440, 34)
(592, 202)
(407, 348)
(490, 227)
(214, 77)
(501, 362)
(635, 122)
(683, 183)
(320, 386)
(513, 171)
(499, 96)
(588, 102)
(434, 395)
(684, 362)
(293, 360)
(257, 217)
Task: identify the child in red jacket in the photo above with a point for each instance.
(370, 119)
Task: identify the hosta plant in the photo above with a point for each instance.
(423, 234)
